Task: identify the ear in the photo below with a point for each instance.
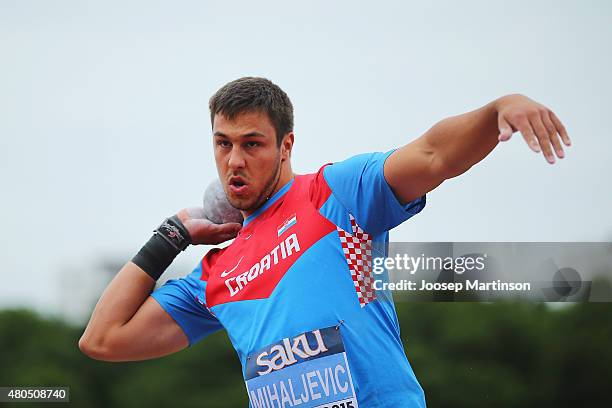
(286, 146)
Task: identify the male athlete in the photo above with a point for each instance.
(294, 289)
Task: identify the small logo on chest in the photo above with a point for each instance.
(288, 223)
(226, 272)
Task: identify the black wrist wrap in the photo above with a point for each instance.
(168, 240)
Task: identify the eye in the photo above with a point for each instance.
(252, 144)
(223, 143)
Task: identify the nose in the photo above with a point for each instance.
(236, 159)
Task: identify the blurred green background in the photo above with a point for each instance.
(464, 355)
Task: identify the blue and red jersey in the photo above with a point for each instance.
(295, 293)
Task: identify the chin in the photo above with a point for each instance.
(244, 204)
(250, 204)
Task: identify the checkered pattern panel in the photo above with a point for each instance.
(357, 248)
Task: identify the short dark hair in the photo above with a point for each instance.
(254, 94)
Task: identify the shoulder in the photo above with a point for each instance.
(356, 166)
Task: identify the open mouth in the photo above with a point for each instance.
(237, 185)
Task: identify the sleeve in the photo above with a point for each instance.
(359, 184)
(184, 300)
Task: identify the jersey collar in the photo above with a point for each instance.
(268, 203)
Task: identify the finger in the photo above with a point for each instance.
(233, 227)
(542, 135)
(215, 234)
(552, 134)
(560, 129)
(525, 128)
(207, 229)
(227, 228)
(505, 130)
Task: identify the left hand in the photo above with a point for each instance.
(539, 126)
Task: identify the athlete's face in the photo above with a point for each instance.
(247, 157)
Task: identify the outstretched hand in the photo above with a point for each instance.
(539, 126)
(203, 231)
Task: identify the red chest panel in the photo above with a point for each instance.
(253, 265)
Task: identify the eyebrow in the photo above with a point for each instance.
(250, 134)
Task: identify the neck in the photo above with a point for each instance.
(285, 176)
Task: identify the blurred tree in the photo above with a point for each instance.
(464, 355)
